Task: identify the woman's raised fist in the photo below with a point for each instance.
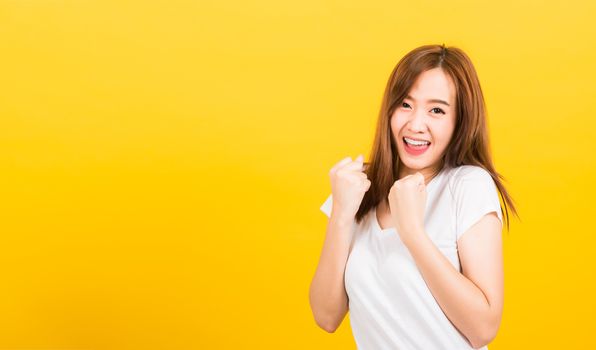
(349, 183)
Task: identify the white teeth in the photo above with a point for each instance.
(416, 143)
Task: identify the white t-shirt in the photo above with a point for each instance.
(391, 307)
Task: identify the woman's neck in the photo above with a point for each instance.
(428, 174)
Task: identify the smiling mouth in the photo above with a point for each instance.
(419, 143)
(415, 150)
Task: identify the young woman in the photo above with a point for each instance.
(413, 244)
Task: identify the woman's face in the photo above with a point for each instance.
(428, 114)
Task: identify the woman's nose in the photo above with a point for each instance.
(417, 121)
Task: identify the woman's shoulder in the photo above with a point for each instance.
(460, 175)
(465, 172)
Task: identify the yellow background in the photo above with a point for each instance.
(163, 162)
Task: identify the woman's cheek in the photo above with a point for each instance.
(396, 122)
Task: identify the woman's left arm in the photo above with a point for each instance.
(471, 300)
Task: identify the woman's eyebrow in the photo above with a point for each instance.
(435, 100)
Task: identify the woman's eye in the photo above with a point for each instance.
(437, 109)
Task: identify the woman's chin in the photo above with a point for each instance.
(415, 164)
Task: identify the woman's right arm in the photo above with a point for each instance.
(328, 298)
(327, 294)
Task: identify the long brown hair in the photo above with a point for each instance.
(469, 144)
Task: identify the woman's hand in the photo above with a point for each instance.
(348, 185)
(407, 201)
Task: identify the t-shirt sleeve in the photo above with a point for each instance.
(326, 207)
(475, 195)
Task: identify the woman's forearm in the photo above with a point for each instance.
(327, 294)
(464, 304)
